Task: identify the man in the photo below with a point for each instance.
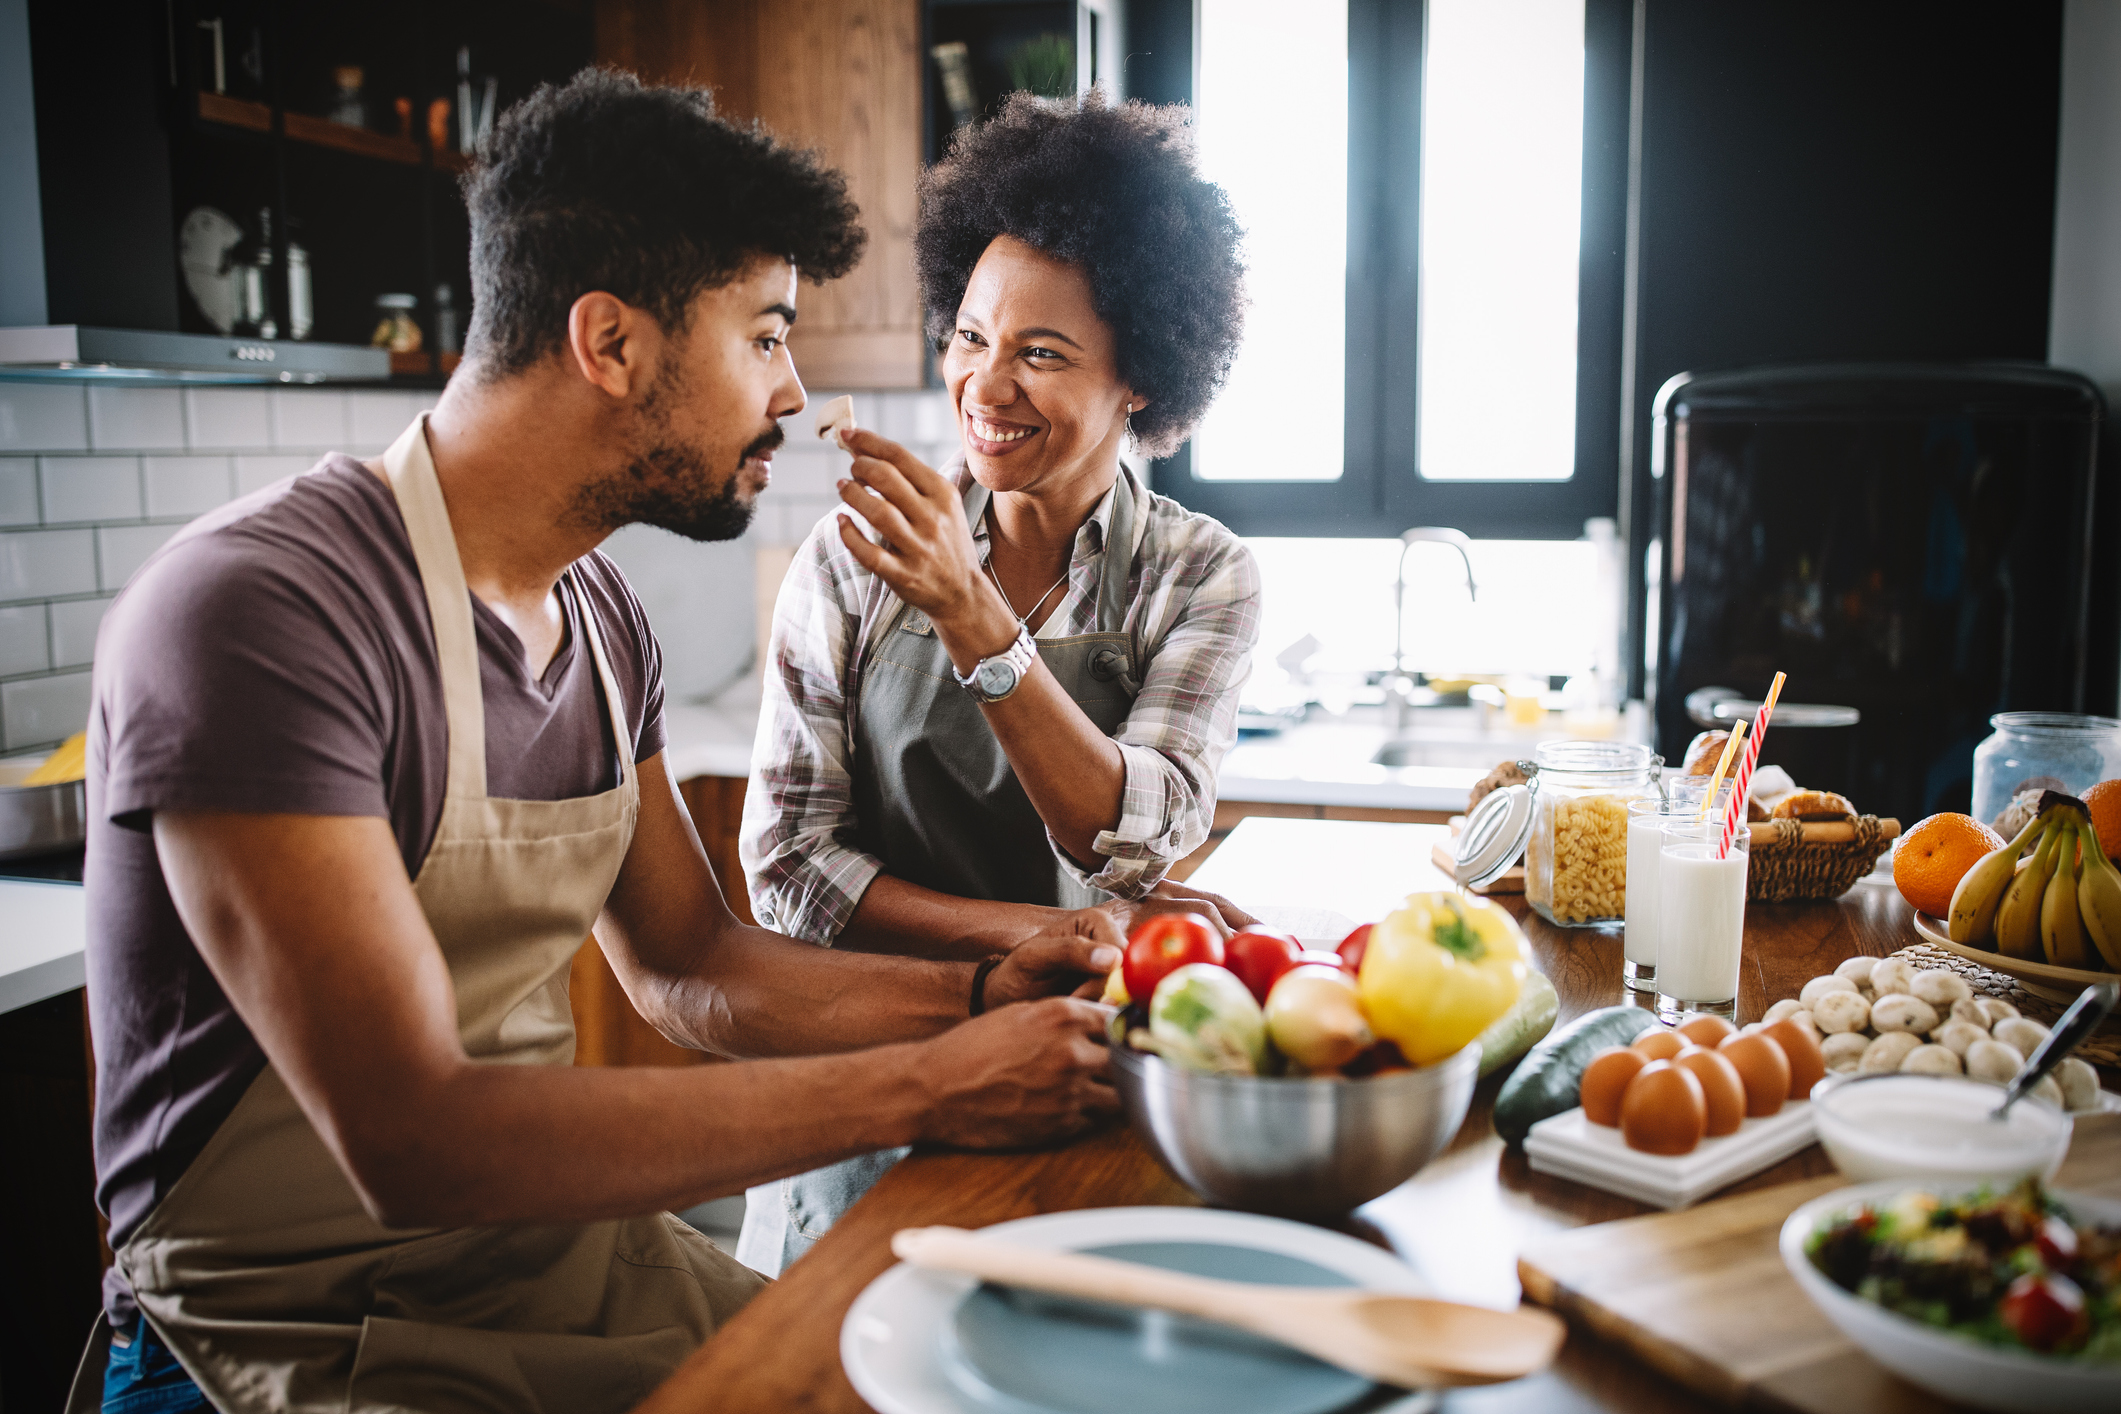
(373, 749)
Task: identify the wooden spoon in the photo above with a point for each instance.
(1409, 1341)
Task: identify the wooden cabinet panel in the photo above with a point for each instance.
(843, 76)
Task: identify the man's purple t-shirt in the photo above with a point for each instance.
(277, 657)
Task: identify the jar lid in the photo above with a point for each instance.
(1579, 758)
(1496, 833)
(397, 301)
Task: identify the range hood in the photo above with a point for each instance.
(80, 351)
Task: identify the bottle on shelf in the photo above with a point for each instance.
(449, 338)
(301, 300)
(254, 317)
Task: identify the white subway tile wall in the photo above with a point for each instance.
(94, 480)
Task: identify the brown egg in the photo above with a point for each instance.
(1659, 1044)
(1801, 1047)
(1765, 1069)
(1664, 1111)
(1707, 1031)
(1720, 1086)
(1606, 1079)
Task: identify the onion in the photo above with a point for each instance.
(1314, 1017)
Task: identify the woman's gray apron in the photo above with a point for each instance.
(937, 801)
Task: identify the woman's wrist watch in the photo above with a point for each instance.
(993, 679)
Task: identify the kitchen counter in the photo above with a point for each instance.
(1461, 1221)
(42, 947)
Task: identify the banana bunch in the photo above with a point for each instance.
(2060, 905)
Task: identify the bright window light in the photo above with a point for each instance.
(1271, 116)
(1501, 205)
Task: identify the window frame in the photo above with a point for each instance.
(1379, 493)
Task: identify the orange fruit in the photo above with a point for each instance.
(1931, 859)
(2104, 801)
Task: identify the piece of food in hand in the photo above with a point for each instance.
(1763, 1068)
(1660, 1044)
(1354, 946)
(1605, 1081)
(1704, 751)
(1202, 1018)
(1664, 1110)
(836, 418)
(1116, 986)
(1164, 942)
(1720, 1087)
(1438, 971)
(1813, 805)
(1314, 1017)
(1800, 1046)
(1259, 956)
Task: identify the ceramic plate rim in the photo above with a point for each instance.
(919, 1300)
(1933, 932)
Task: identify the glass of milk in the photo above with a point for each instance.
(1700, 918)
(1648, 819)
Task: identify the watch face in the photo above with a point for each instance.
(995, 678)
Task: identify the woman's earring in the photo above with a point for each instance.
(1130, 427)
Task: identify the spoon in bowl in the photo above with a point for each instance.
(1409, 1341)
(2076, 1025)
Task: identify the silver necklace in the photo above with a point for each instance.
(1024, 618)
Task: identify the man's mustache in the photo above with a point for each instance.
(768, 441)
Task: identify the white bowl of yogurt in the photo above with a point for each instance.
(1916, 1126)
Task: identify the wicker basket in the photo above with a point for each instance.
(1788, 867)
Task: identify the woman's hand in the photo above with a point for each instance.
(1173, 897)
(927, 557)
(1073, 956)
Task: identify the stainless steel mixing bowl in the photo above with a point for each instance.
(1294, 1148)
(39, 819)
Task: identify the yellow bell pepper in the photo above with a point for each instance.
(1438, 971)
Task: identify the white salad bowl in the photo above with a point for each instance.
(1950, 1366)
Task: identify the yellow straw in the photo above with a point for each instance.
(1730, 749)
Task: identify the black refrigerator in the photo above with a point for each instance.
(1915, 545)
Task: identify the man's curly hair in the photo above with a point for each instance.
(605, 183)
(1114, 191)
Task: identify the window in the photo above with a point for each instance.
(1459, 170)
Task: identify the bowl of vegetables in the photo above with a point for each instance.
(2007, 1300)
(1304, 1084)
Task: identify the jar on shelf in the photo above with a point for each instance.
(2043, 751)
(1576, 856)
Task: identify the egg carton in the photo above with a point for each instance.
(1569, 1146)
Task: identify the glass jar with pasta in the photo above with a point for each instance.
(1576, 858)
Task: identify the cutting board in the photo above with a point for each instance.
(1703, 1296)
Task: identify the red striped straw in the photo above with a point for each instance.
(1734, 811)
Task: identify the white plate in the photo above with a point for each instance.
(890, 1343)
(1957, 1369)
(1570, 1146)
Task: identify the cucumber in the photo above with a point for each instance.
(1550, 1078)
(1516, 1030)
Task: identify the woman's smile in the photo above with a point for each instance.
(992, 438)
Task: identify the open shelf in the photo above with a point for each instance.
(235, 112)
(323, 132)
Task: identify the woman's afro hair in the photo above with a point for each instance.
(1113, 191)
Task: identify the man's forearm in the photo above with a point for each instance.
(897, 917)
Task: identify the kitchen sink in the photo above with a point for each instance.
(1402, 753)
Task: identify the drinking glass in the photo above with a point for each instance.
(1700, 919)
(1647, 821)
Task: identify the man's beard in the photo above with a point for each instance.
(666, 484)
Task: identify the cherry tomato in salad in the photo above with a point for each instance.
(2044, 1310)
(1259, 956)
(2057, 1242)
(1164, 942)
(1354, 946)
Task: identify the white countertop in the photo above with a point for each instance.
(1356, 869)
(43, 939)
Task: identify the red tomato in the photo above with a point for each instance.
(1353, 946)
(2057, 1242)
(1162, 943)
(2044, 1311)
(1323, 959)
(1259, 956)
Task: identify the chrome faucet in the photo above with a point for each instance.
(1399, 683)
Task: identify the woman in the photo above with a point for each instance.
(1015, 698)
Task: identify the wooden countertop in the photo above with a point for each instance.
(1461, 1221)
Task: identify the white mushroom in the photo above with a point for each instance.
(1892, 974)
(1958, 1036)
(1857, 970)
(1900, 1012)
(2049, 1091)
(1930, 1060)
(1781, 1009)
(1968, 1009)
(1839, 1012)
(1883, 1056)
(2080, 1085)
(1939, 987)
(1843, 1051)
(1820, 986)
(1994, 1009)
(1806, 1020)
(1992, 1061)
(2020, 1035)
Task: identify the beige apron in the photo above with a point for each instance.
(260, 1269)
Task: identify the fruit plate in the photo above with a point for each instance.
(2042, 979)
(1568, 1145)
